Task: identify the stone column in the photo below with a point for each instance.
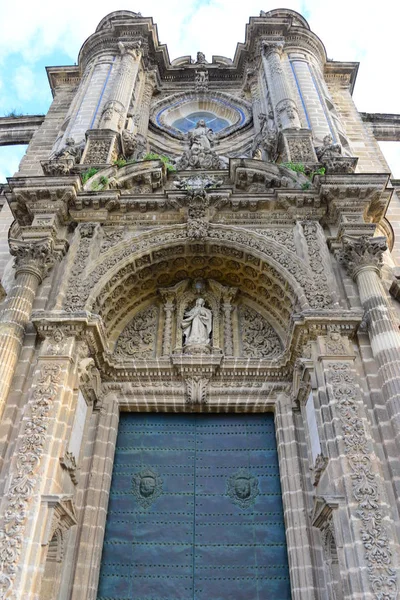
(295, 510)
(24, 522)
(115, 110)
(284, 106)
(33, 260)
(93, 516)
(362, 258)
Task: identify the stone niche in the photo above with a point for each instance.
(238, 326)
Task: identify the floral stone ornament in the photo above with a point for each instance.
(242, 488)
(147, 487)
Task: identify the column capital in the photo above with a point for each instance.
(36, 257)
(360, 253)
(268, 48)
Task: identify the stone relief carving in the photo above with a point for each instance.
(62, 161)
(23, 482)
(200, 154)
(265, 144)
(97, 152)
(197, 223)
(201, 81)
(330, 155)
(361, 252)
(365, 484)
(197, 324)
(196, 389)
(38, 256)
(138, 339)
(242, 488)
(259, 340)
(315, 238)
(146, 487)
(133, 145)
(68, 462)
(319, 467)
(300, 150)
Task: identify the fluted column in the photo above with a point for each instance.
(284, 106)
(362, 258)
(115, 110)
(33, 260)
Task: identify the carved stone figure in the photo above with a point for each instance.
(328, 149)
(133, 145)
(201, 81)
(265, 144)
(62, 161)
(201, 59)
(197, 324)
(200, 154)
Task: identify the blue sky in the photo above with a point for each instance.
(36, 34)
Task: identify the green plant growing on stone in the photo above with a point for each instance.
(301, 168)
(120, 162)
(164, 159)
(13, 113)
(88, 174)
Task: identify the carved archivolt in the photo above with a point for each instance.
(133, 270)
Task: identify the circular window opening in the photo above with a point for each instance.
(187, 123)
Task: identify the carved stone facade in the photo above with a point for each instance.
(203, 242)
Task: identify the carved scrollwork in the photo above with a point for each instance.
(196, 389)
(259, 340)
(139, 338)
(365, 484)
(23, 481)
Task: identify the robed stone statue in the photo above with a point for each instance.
(197, 324)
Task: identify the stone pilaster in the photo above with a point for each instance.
(362, 258)
(284, 106)
(227, 308)
(33, 260)
(24, 518)
(298, 541)
(167, 334)
(362, 521)
(93, 516)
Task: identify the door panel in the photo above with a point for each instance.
(195, 510)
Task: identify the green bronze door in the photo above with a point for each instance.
(195, 511)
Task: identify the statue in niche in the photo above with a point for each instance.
(201, 137)
(197, 324)
(265, 144)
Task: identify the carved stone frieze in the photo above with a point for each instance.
(366, 492)
(138, 339)
(361, 252)
(259, 340)
(22, 485)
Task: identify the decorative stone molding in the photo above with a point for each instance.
(68, 462)
(259, 340)
(366, 492)
(138, 339)
(61, 515)
(362, 252)
(21, 488)
(36, 257)
(196, 390)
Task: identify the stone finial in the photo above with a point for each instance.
(361, 252)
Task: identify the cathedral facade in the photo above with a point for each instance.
(199, 328)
